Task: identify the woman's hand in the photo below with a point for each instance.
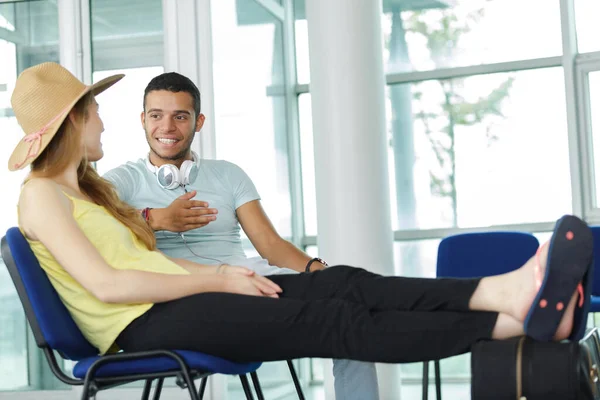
(242, 280)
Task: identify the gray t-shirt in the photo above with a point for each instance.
(222, 184)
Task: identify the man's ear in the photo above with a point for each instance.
(200, 122)
(143, 119)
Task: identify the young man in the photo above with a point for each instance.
(167, 183)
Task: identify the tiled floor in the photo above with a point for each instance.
(408, 392)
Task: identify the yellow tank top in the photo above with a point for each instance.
(100, 322)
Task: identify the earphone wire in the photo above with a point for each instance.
(192, 251)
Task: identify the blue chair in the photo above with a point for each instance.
(595, 303)
(55, 330)
(472, 255)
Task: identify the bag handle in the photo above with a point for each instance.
(519, 369)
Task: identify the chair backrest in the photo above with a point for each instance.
(471, 255)
(596, 236)
(48, 317)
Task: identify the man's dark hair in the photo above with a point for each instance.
(174, 82)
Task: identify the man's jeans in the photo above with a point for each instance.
(355, 380)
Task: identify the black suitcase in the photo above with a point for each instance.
(525, 369)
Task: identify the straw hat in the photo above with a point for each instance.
(43, 97)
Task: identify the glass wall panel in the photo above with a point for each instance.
(586, 22)
(250, 123)
(28, 36)
(594, 95)
(127, 38)
(433, 34)
(479, 151)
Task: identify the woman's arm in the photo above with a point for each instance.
(192, 267)
(46, 215)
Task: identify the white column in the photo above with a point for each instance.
(188, 50)
(348, 108)
(74, 38)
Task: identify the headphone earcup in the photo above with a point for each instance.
(168, 176)
(184, 171)
(188, 172)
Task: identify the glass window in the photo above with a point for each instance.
(302, 58)
(28, 36)
(479, 151)
(594, 87)
(484, 150)
(127, 38)
(126, 34)
(308, 165)
(250, 124)
(587, 25)
(434, 34)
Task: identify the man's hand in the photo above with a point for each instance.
(182, 215)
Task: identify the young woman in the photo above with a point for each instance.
(100, 256)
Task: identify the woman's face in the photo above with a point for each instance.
(93, 129)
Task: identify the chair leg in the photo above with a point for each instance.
(147, 387)
(295, 380)
(185, 375)
(85, 392)
(202, 387)
(246, 386)
(158, 389)
(257, 387)
(438, 380)
(425, 390)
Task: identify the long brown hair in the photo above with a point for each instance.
(58, 155)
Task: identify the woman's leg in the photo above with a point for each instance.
(510, 294)
(362, 316)
(248, 328)
(377, 292)
(358, 322)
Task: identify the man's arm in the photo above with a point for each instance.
(267, 241)
(123, 181)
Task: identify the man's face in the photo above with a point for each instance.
(170, 124)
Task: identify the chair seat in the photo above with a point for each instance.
(595, 304)
(194, 360)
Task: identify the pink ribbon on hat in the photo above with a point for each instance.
(35, 138)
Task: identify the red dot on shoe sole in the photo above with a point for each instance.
(543, 303)
(560, 306)
(570, 235)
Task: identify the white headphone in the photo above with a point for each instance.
(170, 177)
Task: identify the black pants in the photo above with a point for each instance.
(340, 312)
